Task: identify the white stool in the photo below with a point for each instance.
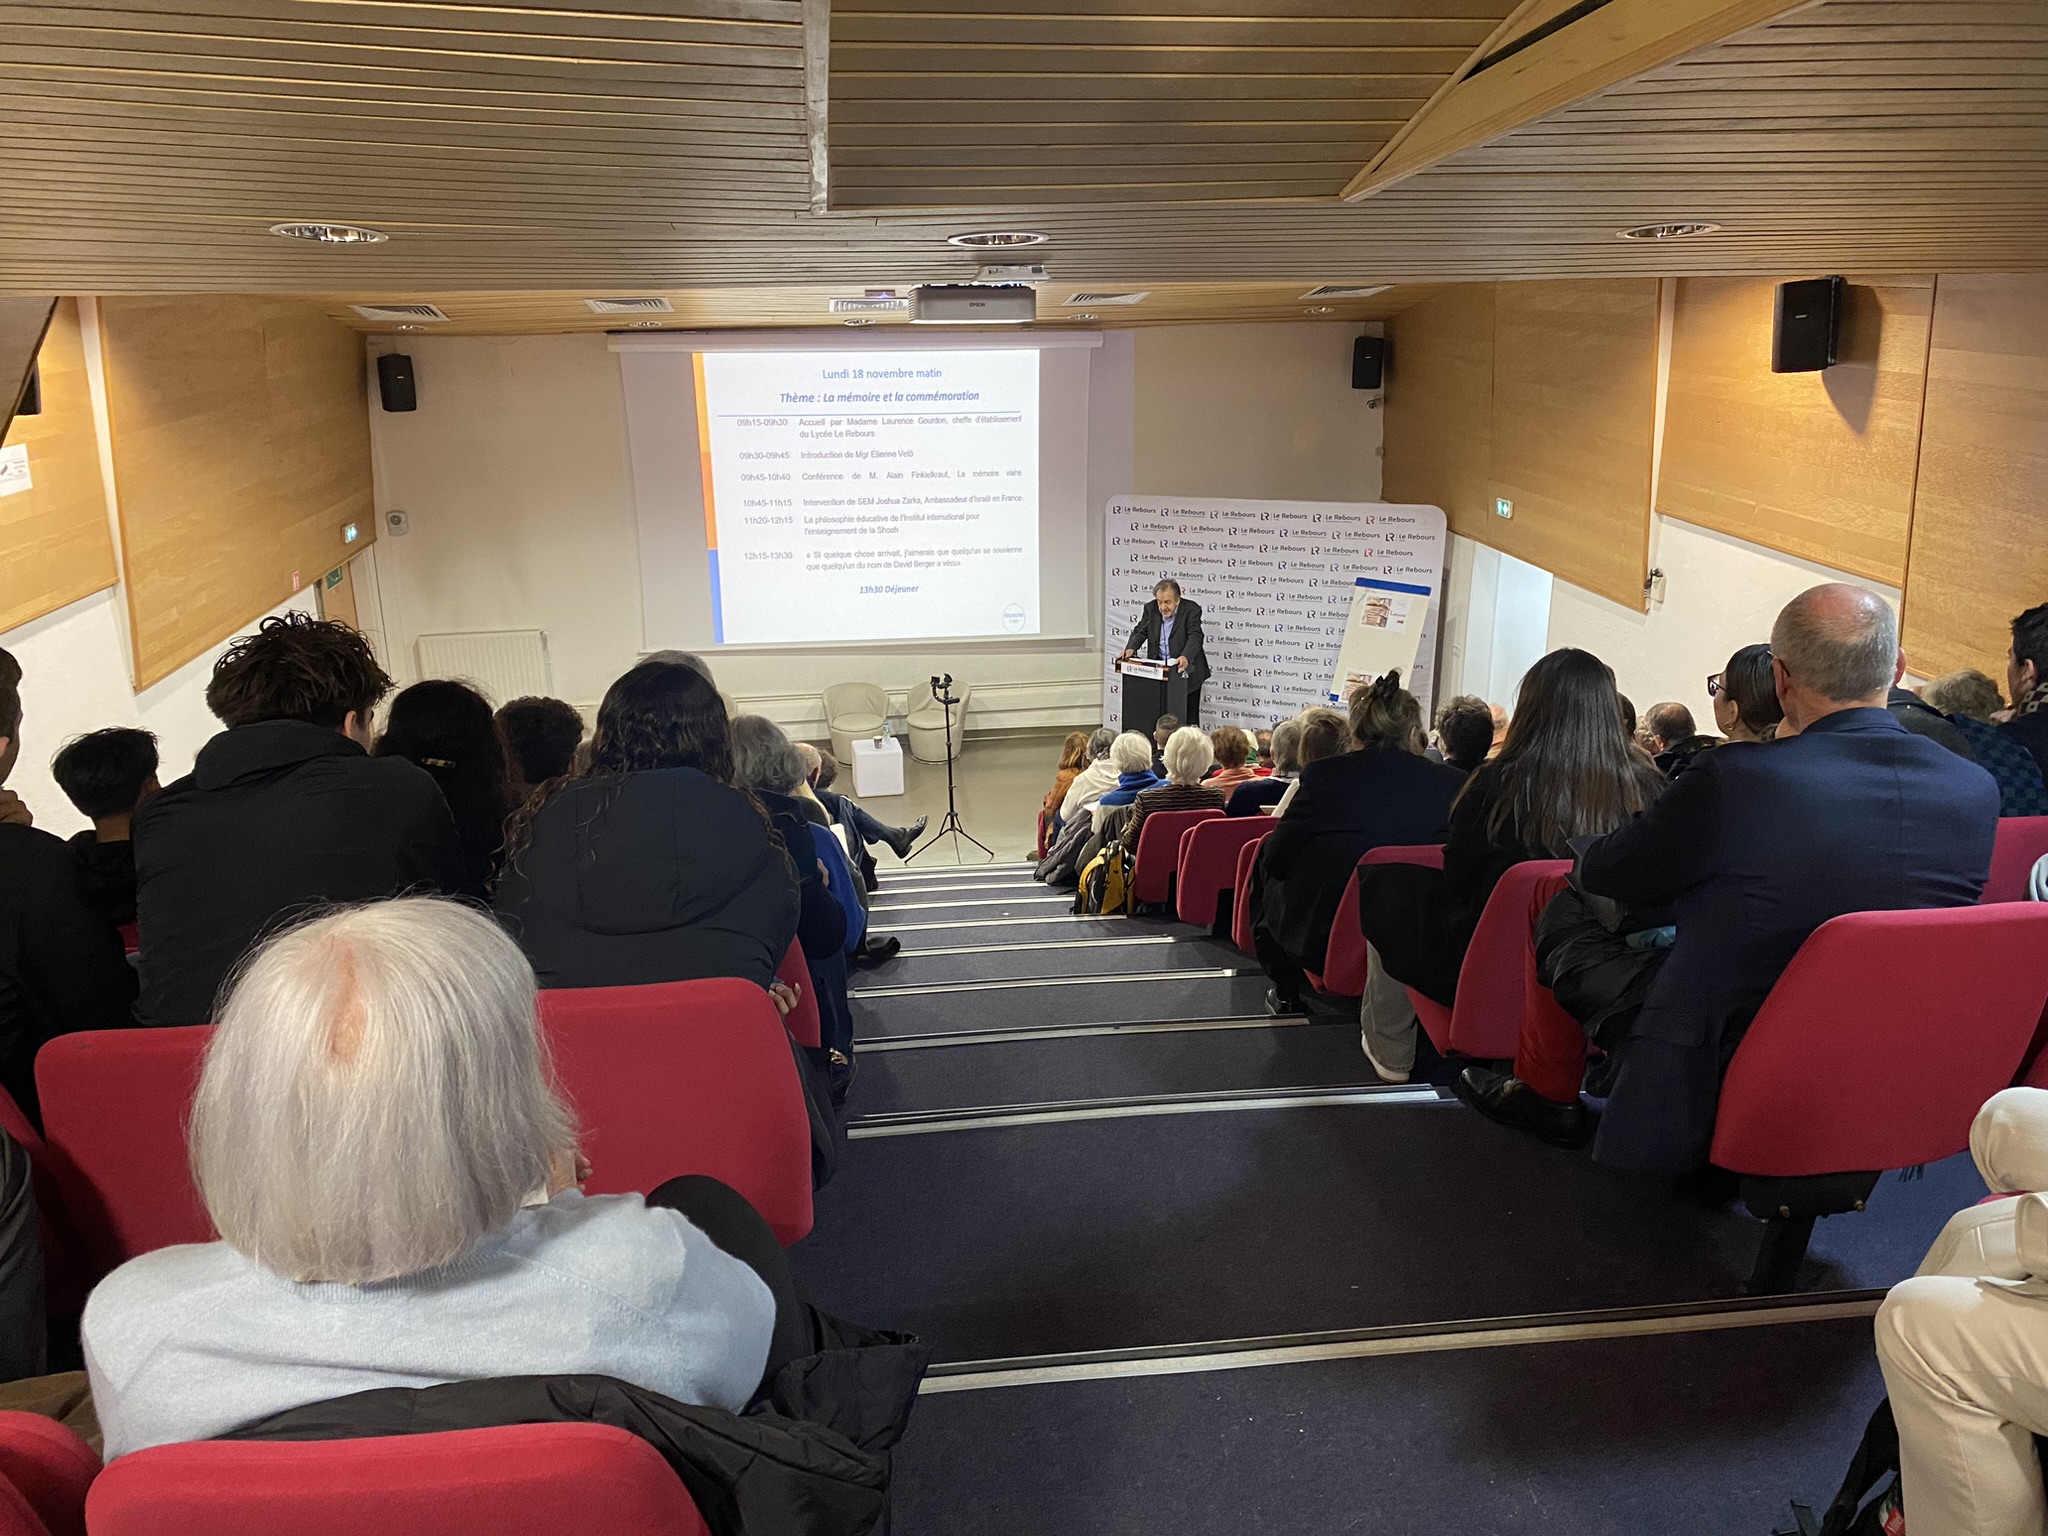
(877, 767)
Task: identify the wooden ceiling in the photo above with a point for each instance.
(551, 151)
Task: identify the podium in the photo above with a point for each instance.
(1151, 689)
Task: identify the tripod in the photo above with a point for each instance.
(942, 694)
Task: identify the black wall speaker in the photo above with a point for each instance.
(1807, 325)
(1368, 362)
(394, 383)
(32, 393)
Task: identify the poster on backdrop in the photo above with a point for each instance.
(1277, 583)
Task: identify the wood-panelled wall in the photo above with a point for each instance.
(241, 448)
(1543, 393)
(1819, 465)
(56, 542)
(1980, 519)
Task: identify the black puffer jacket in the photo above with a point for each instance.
(665, 875)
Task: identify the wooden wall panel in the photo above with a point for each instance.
(1818, 465)
(241, 449)
(1980, 522)
(57, 545)
(1574, 420)
(1439, 404)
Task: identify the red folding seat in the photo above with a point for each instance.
(1858, 1063)
(685, 1077)
(1343, 973)
(1208, 867)
(802, 1021)
(48, 1468)
(2021, 842)
(1158, 856)
(518, 1480)
(1499, 968)
(1241, 899)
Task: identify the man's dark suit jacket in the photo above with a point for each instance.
(1187, 638)
(1757, 845)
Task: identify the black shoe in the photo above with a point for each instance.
(1279, 1007)
(1507, 1100)
(878, 951)
(906, 837)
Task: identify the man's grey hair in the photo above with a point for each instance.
(763, 757)
(376, 1099)
(1189, 754)
(1166, 584)
(1099, 740)
(1840, 641)
(1130, 753)
(1287, 748)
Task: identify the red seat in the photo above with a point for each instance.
(2021, 841)
(1241, 901)
(518, 1480)
(1158, 856)
(1343, 972)
(686, 1077)
(802, 1021)
(1857, 1063)
(50, 1468)
(1500, 965)
(1208, 867)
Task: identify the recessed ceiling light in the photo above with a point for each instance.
(331, 234)
(645, 325)
(1321, 309)
(858, 320)
(998, 239)
(1084, 317)
(412, 327)
(1665, 231)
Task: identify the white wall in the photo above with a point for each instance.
(514, 475)
(75, 678)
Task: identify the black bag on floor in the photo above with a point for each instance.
(1869, 1503)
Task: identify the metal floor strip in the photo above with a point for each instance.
(948, 906)
(1006, 949)
(994, 922)
(1088, 1031)
(1017, 983)
(1145, 1108)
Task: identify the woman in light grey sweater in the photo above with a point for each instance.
(376, 1141)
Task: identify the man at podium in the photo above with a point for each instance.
(1170, 629)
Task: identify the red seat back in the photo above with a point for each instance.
(1241, 900)
(1344, 960)
(1208, 864)
(519, 1480)
(1158, 856)
(802, 1021)
(685, 1077)
(1493, 982)
(1883, 1038)
(115, 1103)
(2019, 845)
(50, 1468)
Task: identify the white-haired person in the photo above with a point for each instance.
(1189, 754)
(394, 1180)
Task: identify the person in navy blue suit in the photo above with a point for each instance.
(1756, 846)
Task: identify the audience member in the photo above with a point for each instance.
(108, 775)
(821, 773)
(1284, 754)
(446, 728)
(395, 1185)
(1162, 728)
(1131, 756)
(1756, 849)
(61, 966)
(2022, 791)
(1628, 714)
(1189, 756)
(1500, 729)
(1325, 733)
(1097, 776)
(1263, 740)
(651, 866)
(1073, 758)
(1923, 719)
(1674, 740)
(1464, 731)
(283, 812)
(1567, 769)
(1745, 695)
(2026, 681)
(1968, 693)
(1232, 749)
(541, 737)
(1385, 792)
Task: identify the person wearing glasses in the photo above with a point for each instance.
(1745, 696)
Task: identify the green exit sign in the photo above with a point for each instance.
(1502, 507)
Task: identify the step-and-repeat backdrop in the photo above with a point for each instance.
(1276, 582)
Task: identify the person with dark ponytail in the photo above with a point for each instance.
(1384, 791)
(651, 866)
(1567, 769)
(446, 728)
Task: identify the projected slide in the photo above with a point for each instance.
(873, 495)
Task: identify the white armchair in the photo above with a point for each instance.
(927, 719)
(854, 712)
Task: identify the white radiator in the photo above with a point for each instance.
(504, 663)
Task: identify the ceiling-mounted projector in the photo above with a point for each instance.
(973, 304)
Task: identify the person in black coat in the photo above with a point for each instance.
(1170, 629)
(1757, 846)
(61, 966)
(284, 812)
(446, 728)
(651, 866)
(1385, 792)
(107, 775)
(2026, 683)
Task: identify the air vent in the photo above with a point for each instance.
(1340, 291)
(1093, 299)
(1666, 231)
(630, 306)
(399, 312)
(874, 304)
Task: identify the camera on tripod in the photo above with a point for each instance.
(942, 689)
